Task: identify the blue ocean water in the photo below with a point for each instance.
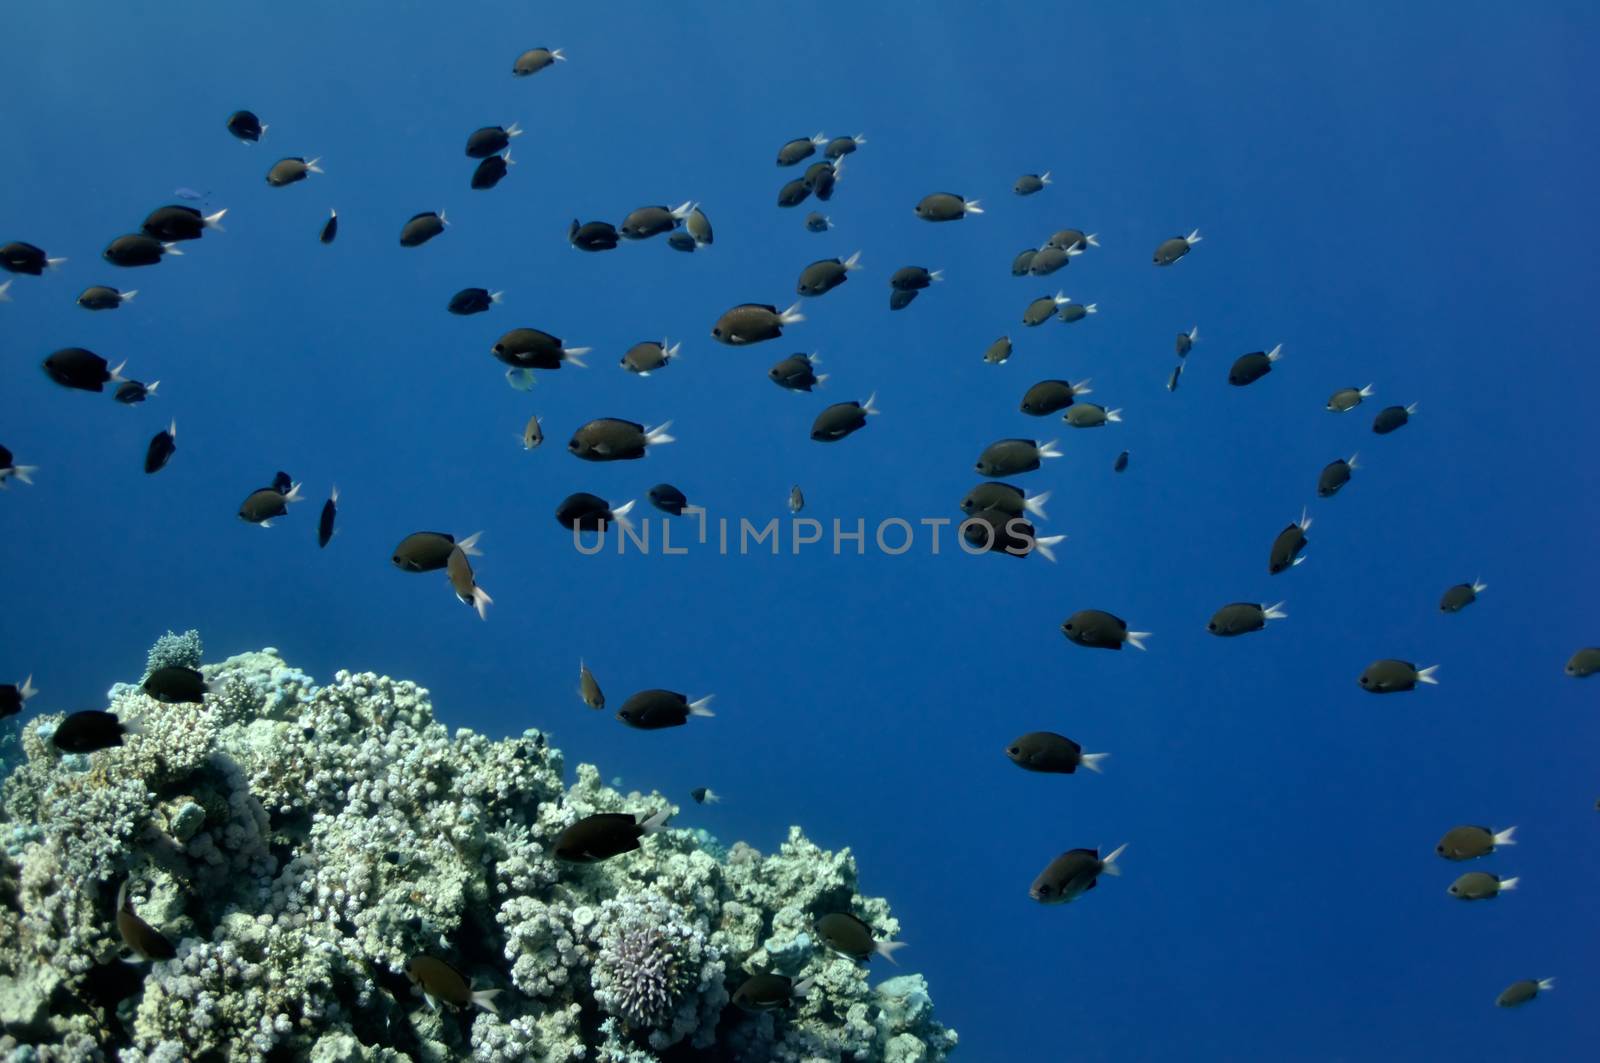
(1399, 197)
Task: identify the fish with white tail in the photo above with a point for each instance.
(1241, 618)
(1052, 754)
(1461, 595)
(1074, 873)
(1390, 676)
(842, 419)
(614, 439)
(652, 710)
(1469, 843)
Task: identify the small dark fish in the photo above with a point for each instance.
(794, 193)
(1043, 309)
(330, 510)
(1002, 533)
(1335, 475)
(491, 171)
(1285, 553)
(430, 551)
(1469, 843)
(465, 583)
(823, 184)
(1029, 183)
(534, 60)
(914, 278)
(703, 796)
(177, 685)
(899, 300)
(1481, 886)
(473, 301)
(21, 257)
(13, 695)
(588, 688)
(852, 939)
(1121, 463)
(1046, 751)
(592, 236)
(699, 227)
(1009, 457)
(1248, 368)
(90, 731)
(176, 223)
(1346, 399)
(282, 482)
(797, 499)
(263, 506)
(839, 147)
(421, 228)
(145, 941)
(1390, 676)
(1049, 258)
(999, 351)
(292, 169)
(826, 274)
(585, 512)
(1023, 263)
(1006, 499)
(946, 206)
(132, 392)
(1172, 250)
(162, 446)
(527, 349)
(1072, 874)
(1461, 595)
(614, 439)
(491, 140)
(532, 433)
(1391, 417)
(651, 710)
(330, 228)
(754, 322)
(797, 373)
(841, 419)
(1099, 630)
(653, 221)
(1077, 311)
(1584, 663)
(137, 249)
(100, 297)
(443, 984)
(769, 992)
(81, 369)
(604, 835)
(1186, 341)
(800, 149)
(246, 126)
(1090, 415)
(1172, 381)
(1241, 618)
(668, 499)
(1070, 239)
(1518, 993)
(818, 223)
(682, 241)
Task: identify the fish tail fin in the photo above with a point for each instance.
(481, 601)
(214, 221)
(54, 263)
(936, 275)
(658, 436)
(513, 130)
(1194, 333)
(670, 352)
(1193, 237)
(1090, 239)
(1114, 416)
(870, 407)
(853, 262)
(656, 820)
(1425, 675)
(116, 374)
(1411, 409)
(791, 316)
(1046, 546)
(1036, 504)
(1109, 865)
(1092, 308)
(496, 297)
(1305, 519)
(469, 545)
(887, 949)
(822, 378)
(1547, 983)
(1478, 586)
(1082, 387)
(619, 514)
(1092, 761)
(701, 707)
(26, 689)
(820, 139)
(1351, 460)
(150, 388)
(5, 292)
(558, 54)
(860, 139)
(264, 128)
(442, 219)
(575, 355)
(131, 727)
(1276, 353)
(1274, 612)
(1044, 178)
(122, 896)
(333, 495)
(1061, 298)
(172, 249)
(505, 157)
(1365, 392)
(1506, 837)
(24, 472)
(827, 221)
(484, 998)
(172, 429)
(127, 296)
(312, 165)
(1049, 450)
(1074, 251)
(970, 206)
(802, 988)
(294, 494)
(1136, 639)
(1508, 884)
(682, 210)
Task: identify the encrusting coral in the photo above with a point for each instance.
(298, 844)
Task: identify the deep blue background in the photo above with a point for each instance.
(1399, 195)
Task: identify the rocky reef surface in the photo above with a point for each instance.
(299, 843)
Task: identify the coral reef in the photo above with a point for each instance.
(298, 843)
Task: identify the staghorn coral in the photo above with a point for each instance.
(299, 842)
(175, 650)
